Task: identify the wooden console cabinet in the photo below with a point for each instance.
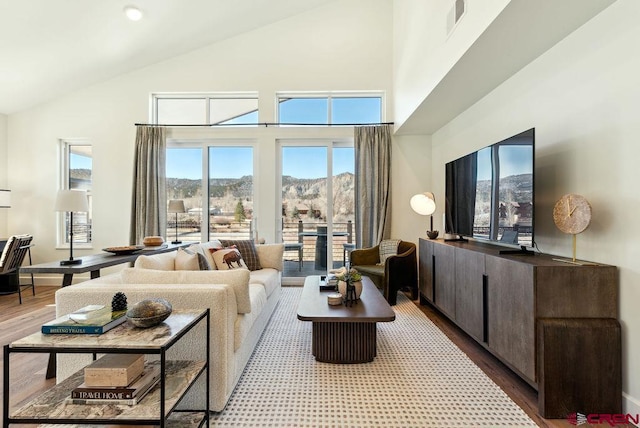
(500, 299)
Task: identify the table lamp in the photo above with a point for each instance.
(71, 201)
(176, 206)
(425, 204)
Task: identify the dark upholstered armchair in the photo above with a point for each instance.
(398, 272)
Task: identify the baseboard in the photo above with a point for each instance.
(630, 405)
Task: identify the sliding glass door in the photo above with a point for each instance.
(317, 212)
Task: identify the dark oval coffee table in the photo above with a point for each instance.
(342, 334)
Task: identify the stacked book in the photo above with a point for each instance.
(116, 379)
(328, 282)
(92, 319)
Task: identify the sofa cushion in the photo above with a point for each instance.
(190, 259)
(228, 259)
(268, 278)
(162, 261)
(248, 250)
(367, 270)
(244, 322)
(238, 279)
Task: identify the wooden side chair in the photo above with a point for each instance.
(13, 254)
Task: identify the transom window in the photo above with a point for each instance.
(329, 108)
(206, 109)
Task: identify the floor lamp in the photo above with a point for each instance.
(71, 201)
(176, 206)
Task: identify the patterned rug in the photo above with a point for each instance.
(418, 379)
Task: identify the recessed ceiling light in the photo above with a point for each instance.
(133, 13)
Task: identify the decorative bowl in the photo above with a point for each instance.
(153, 241)
(149, 312)
(432, 234)
(126, 249)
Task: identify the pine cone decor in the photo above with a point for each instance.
(119, 302)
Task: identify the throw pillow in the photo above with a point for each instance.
(247, 249)
(228, 259)
(162, 261)
(388, 248)
(206, 249)
(187, 259)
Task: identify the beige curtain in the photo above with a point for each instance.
(373, 184)
(149, 198)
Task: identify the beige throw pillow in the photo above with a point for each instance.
(187, 259)
(228, 259)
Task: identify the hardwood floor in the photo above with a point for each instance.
(28, 370)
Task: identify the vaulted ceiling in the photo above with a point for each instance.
(50, 47)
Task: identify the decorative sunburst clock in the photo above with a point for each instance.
(572, 215)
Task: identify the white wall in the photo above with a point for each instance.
(3, 172)
(342, 46)
(423, 51)
(582, 98)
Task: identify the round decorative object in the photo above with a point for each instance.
(432, 234)
(342, 288)
(334, 299)
(149, 312)
(126, 249)
(152, 241)
(572, 213)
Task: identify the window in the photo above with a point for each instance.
(206, 109)
(222, 172)
(329, 109)
(77, 167)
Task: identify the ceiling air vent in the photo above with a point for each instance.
(455, 14)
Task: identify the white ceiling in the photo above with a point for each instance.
(50, 47)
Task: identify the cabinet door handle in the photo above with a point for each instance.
(485, 311)
(433, 278)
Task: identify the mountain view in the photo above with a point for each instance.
(301, 198)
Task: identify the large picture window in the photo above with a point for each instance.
(224, 173)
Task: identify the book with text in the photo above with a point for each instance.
(92, 319)
(128, 395)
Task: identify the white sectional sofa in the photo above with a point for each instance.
(241, 304)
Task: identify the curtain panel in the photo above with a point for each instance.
(373, 184)
(149, 196)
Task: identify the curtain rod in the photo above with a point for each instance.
(265, 124)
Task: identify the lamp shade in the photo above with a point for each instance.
(176, 206)
(72, 201)
(5, 198)
(423, 203)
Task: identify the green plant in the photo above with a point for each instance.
(349, 276)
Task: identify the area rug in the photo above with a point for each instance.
(418, 379)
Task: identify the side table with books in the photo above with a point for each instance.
(125, 384)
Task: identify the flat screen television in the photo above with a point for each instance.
(490, 193)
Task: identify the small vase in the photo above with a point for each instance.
(342, 288)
